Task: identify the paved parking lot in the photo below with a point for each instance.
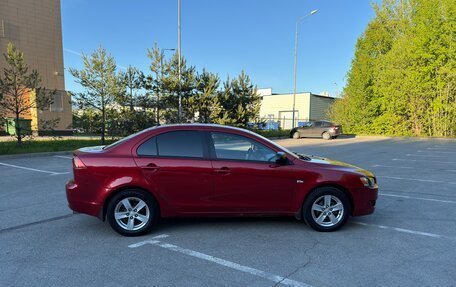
(409, 241)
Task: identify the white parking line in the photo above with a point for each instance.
(253, 271)
(33, 169)
(437, 151)
(416, 179)
(392, 166)
(417, 198)
(403, 230)
(411, 167)
(426, 160)
(426, 155)
(152, 241)
(62, 156)
(441, 149)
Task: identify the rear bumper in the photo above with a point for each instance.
(364, 201)
(79, 205)
(335, 132)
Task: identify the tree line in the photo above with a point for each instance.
(118, 102)
(402, 79)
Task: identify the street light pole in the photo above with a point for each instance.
(296, 63)
(179, 57)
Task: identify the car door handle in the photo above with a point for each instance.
(223, 170)
(151, 166)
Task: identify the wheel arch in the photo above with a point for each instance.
(294, 130)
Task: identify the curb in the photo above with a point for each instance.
(36, 154)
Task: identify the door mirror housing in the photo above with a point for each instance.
(281, 158)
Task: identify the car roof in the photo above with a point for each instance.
(199, 126)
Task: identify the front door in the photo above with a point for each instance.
(247, 180)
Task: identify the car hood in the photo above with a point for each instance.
(335, 164)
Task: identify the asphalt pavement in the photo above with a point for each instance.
(410, 240)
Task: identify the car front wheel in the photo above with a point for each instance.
(132, 212)
(326, 209)
(296, 135)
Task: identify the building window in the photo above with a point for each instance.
(57, 105)
(2, 29)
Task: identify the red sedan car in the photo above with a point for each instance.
(211, 170)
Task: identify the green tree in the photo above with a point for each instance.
(240, 103)
(154, 82)
(185, 88)
(206, 100)
(101, 83)
(20, 90)
(134, 114)
(402, 80)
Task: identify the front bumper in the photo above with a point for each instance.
(364, 201)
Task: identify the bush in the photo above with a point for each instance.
(273, 133)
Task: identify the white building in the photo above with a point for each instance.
(277, 109)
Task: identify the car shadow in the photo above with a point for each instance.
(347, 136)
(171, 224)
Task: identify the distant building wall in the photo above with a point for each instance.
(279, 107)
(319, 106)
(34, 27)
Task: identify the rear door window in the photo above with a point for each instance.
(149, 148)
(180, 144)
(187, 144)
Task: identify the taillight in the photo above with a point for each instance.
(77, 162)
(336, 128)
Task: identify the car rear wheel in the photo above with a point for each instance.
(326, 209)
(296, 135)
(132, 212)
(326, 136)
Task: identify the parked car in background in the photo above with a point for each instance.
(212, 170)
(323, 129)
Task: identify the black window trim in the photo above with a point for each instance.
(205, 147)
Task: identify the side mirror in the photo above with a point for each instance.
(280, 158)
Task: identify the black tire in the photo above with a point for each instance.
(326, 136)
(311, 216)
(133, 195)
(296, 135)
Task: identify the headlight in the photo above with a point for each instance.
(369, 181)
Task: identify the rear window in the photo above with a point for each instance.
(327, 124)
(127, 138)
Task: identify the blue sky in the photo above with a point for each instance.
(224, 36)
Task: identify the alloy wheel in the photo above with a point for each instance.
(327, 210)
(132, 213)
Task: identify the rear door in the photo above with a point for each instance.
(317, 129)
(176, 165)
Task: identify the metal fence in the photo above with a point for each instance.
(283, 123)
